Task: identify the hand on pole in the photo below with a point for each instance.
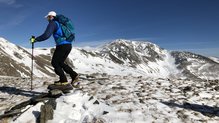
(32, 39)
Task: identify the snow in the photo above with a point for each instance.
(89, 64)
(78, 108)
(148, 92)
(30, 115)
(41, 51)
(205, 95)
(161, 68)
(127, 99)
(215, 59)
(23, 56)
(9, 48)
(200, 69)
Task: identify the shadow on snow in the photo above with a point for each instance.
(204, 109)
(15, 91)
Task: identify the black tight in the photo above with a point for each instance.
(58, 62)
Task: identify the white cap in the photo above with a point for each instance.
(51, 13)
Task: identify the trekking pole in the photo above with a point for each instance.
(31, 76)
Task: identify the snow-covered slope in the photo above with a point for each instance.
(146, 57)
(13, 59)
(16, 61)
(196, 66)
(124, 57)
(120, 57)
(214, 59)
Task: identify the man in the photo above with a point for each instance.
(63, 48)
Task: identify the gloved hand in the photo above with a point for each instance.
(32, 39)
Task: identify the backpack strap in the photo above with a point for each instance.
(59, 33)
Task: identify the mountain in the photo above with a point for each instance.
(120, 57)
(196, 66)
(214, 59)
(146, 57)
(16, 61)
(124, 81)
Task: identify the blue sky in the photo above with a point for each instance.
(188, 25)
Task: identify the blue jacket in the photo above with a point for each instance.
(53, 28)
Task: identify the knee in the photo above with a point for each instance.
(62, 64)
(54, 64)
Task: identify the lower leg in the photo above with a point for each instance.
(61, 74)
(69, 71)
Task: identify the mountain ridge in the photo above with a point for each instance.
(122, 57)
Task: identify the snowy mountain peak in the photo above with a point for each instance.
(144, 48)
(131, 43)
(133, 52)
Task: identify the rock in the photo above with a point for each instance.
(119, 88)
(52, 102)
(47, 111)
(96, 102)
(55, 93)
(46, 83)
(187, 88)
(91, 98)
(216, 88)
(141, 101)
(108, 97)
(97, 120)
(105, 112)
(101, 82)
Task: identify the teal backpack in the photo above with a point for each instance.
(67, 27)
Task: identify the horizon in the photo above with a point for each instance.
(172, 24)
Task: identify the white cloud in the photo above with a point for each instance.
(8, 2)
(11, 3)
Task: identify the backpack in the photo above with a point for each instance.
(67, 27)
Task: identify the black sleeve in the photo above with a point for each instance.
(48, 32)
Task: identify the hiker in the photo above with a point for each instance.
(63, 48)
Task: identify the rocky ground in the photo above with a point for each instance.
(135, 99)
